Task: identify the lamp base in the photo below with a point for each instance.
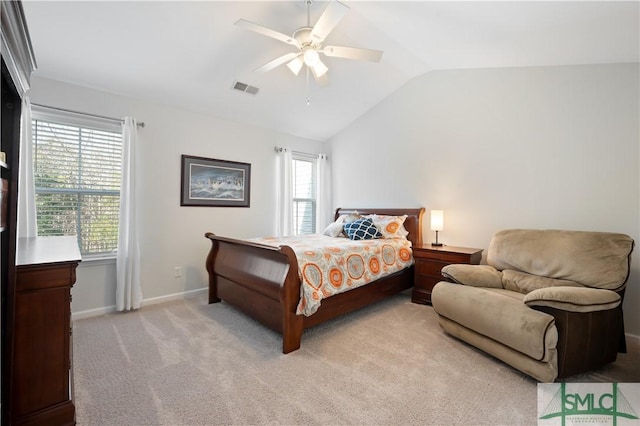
(436, 244)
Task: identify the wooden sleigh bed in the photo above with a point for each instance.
(263, 281)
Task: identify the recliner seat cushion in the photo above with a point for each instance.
(505, 319)
(525, 283)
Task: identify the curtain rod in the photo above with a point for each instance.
(104, 117)
(300, 153)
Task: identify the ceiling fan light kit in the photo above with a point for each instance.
(311, 56)
(295, 65)
(309, 42)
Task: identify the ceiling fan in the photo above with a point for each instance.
(309, 43)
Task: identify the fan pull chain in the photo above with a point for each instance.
(309, 2)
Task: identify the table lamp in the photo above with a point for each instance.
(437, 224)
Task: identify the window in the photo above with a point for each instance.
(303, 174)
(77, 170)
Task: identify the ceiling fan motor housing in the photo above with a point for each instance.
(303, 36)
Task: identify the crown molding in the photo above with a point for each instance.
(17, 51)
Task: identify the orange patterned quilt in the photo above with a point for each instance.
(329, 266)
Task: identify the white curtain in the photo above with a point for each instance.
(27, 227)
(128, 291)
(323, 202)
(284, 206)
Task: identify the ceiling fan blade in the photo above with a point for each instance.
(328, 21)
(243, 23)
(277, 62)
(353, 53)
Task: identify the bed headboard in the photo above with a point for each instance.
(413, 223)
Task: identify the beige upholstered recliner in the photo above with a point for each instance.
(548, 302)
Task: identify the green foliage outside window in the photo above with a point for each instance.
(77, 178)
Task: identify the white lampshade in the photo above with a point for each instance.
(295, 65)
(437, 220)
(319, 69)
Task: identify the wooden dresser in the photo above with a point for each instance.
(42, 385)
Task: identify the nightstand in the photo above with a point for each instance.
(429, 262)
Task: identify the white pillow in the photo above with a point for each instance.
(390, 226)
(336, 228)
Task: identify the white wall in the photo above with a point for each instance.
(549, 147)
(172, 235)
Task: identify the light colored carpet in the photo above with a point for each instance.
(190, 363)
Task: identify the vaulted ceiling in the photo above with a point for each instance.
(189, 54)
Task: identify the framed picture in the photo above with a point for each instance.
(214, 183)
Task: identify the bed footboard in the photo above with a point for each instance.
(259, 280)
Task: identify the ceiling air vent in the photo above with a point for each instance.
(243, 87)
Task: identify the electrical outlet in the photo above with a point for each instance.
(177, 272)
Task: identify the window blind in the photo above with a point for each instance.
(77, 181)
(304, 201)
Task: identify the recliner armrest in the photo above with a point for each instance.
(473, 275)
(573, 299)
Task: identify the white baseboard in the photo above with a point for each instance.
(89, 313)
(632, 338)
(145, 302)
(175, 296)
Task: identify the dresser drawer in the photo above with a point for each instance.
(43, 277)
(429, 267)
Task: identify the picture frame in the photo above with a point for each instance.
(210, 182)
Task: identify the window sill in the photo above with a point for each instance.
(97, 260)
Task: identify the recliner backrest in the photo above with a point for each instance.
(593, 259)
